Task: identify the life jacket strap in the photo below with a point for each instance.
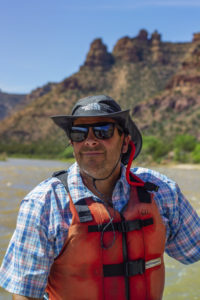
(83, 211)
(124, 226)
(130, 268)
(81, 206)
(62, 176)
(150, 186)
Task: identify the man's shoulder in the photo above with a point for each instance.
(154, 176)
(46, 188)
(168, 189)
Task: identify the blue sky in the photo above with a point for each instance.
(47, 40)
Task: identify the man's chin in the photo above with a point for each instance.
(93, 164)
(94, 171)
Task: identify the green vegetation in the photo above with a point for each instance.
(67, 153)
(184, 146)
(183, 149)
(155, 149)
(196, 154)
(3, 156)
(41, 149)
(185, 142)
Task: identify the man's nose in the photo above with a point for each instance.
(91, 139)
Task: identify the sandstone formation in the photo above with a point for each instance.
(98, 56)
(178, 106)
(156, 50)
(189, 73)
(159, 81)
(132, 49)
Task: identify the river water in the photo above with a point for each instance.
(19, 176)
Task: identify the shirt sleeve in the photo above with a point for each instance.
(180, 218)
(32, 249)
(183, 242)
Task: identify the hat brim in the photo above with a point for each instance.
(65, 122)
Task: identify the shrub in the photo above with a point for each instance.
(196, 154)
(181, 156)
(67, 153)
(155, 147)
(37, 149)
(185, 142)
(184, 145)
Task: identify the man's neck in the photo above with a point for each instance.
(102, 188)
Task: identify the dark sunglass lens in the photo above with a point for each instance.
(104, 131)
(78, 134)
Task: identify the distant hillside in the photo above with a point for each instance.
(8, 103)
(159, 82)
(11, 103)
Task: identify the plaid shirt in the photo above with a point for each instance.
(44, 218)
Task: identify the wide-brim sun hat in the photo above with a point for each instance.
(103, 106)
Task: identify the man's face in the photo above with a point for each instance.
(98, 157)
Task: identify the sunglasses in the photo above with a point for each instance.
(102, 131)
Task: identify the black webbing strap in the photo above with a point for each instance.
(83, 211)
(62, 176)
(144, 196)
(81, 206)
(150, 186)
(128, 269)
(143, 191)
(125, 260)
(124, 226)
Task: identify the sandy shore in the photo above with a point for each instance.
(185, 166)
(168, 165)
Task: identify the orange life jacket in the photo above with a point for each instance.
(118, 260)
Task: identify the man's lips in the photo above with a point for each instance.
(91, 153)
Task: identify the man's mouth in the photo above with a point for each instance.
(92, 153)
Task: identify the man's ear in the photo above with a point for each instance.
(126, 143)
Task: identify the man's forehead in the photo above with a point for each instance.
(91, 120)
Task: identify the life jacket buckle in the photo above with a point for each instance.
(134, 267)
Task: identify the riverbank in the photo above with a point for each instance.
(186, 166)
(172, 165)
(182, 166)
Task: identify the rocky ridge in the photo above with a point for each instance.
(177, 108)
(158, 81)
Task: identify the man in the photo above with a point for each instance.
(99, 230)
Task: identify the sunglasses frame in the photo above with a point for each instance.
(93, 125)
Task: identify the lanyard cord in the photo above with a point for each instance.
(104, 229)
